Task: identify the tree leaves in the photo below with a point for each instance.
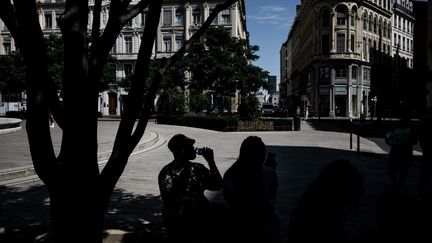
(221, 64)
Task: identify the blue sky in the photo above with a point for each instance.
(268, 23)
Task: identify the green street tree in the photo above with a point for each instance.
(12, 74)
(79, 192)
(12, 70)
(221, 64)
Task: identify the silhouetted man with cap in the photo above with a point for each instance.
(182, 184)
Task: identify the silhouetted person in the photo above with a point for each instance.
(186, 211)
(401, 141)
(425, 137)
(248, 197)
(319, 215)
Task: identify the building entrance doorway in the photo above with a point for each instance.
(324, 106)
(112, 103)
(340, 105)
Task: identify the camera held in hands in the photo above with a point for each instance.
(199, 151)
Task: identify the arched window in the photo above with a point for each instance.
(384, 33)
(341, 15)
(375, 25)
(389, 29)
(353, 15)
(370, 22)
(325, 18)
(364, 19)
(380, 27)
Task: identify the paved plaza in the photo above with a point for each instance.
(136, 205)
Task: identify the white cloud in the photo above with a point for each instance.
(272, 8)
(273, 15)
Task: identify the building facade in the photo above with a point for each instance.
(330, 44)
(285, 85)
(272, 84)
(422, 47)
(403, 30)
(429, 51)
(180, 19)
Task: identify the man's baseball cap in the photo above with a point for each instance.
(178, 142)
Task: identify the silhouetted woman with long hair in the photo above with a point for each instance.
(246, 196)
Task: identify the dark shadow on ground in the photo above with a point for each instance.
(140, 215)
(25, 210)
(299, 166)
(25, 216)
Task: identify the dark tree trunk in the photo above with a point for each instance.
(79, 193)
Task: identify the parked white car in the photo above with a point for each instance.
(267, 109)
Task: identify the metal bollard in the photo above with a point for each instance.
(351, 136)
(358, 143)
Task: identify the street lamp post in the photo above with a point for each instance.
(374, 99)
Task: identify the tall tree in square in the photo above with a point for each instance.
(79, 192)
(221, 64)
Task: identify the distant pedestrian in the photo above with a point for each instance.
(249, 191)
(425, 137)
(320, 214)
(401, 141)
(186, 211)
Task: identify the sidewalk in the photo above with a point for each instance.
(15, 159)
(135, 207)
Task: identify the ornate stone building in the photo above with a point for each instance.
(179, 20)
(403, 30)
(330, 61)
(429, 51)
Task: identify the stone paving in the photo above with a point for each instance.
(136, 205)
(14, 148)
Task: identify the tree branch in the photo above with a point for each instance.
(197, 35)
(96, 20)
(38, 88)
(125, 140)
(122, 145)
(134, 11)
(118, 17)
(125, 3)
(166, 65)
(145, 112)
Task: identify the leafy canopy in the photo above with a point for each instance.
(221, 64)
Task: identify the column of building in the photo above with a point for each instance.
(332, 112)
(349, 78)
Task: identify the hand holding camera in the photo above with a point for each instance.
(206, 152)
